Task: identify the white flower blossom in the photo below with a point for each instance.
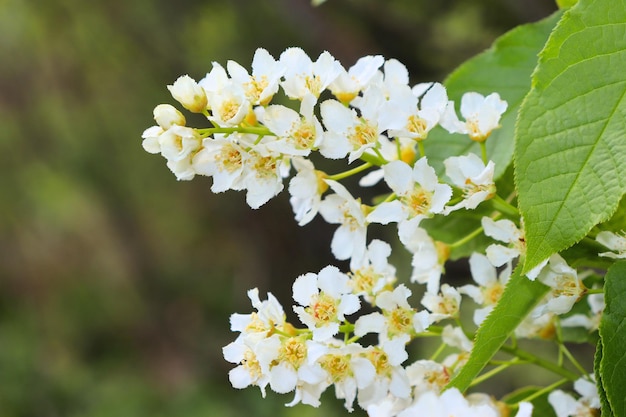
(450, 403)
(615, 242)
(419, 195)
(150, 138)
(306, 189)
(504, 231)
(349, 240)
(470, 174)
(303, 76)
(589, 321)
(298, 133)
(375, 273)
(350, 83)
(443, 305)
(566, 286)
(347, 132)
(167, 116)
(408, 120)
(482, 115)
(188, 93)
(395, 324)
(224, 159)
(428, 259)
(263, 83)
(490, 285)
(588, 404)
(324, 300)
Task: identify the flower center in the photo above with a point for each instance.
(324, 309)
(293, 351)
(363, 134)
(338, 366)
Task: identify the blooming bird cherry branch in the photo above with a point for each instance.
(370, 113)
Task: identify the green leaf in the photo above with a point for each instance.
(565, 4)
(613, 337)
(604, 402)
(570, 150)
(519, 297)
(504, 68)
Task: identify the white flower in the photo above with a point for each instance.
(178, 142)
(349, 370)
(223, 159)
(349, 84)
(306, 189)
(429, 257)
(263, 83)
(591, 321)
(325, 299)
(375, 273)
(470, 174)
(167, 116)
(254, 361)
(419, 195)
(393, 79)
(504, 231)
(296, 364)
(302, 76)
(389, 380)
(349, 240)
(490, 285)
(298, 133)
(150, 138)
(565, 405)
(188, 93)
(614, 242)
(451, 403)
(183, 170)
(427, 375)
(215, 80)
(482, 115)
(537, 325)
(395, 325)
(567, 287)
(455, 337)
(443, 305)
(408, 120)
(229, 106)
(349, 132)
(264, 176)
(269, 314)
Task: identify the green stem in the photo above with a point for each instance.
(350, 172)
(504, 207)
(573, 360)
(377, 159)
(420, 146)
(594, 291)
(550, 366)
(483, 151)
(542, 391)
(438, 352)
(466, 239)
(255, 130)
(494, 372)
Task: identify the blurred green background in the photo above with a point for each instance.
(117, 281)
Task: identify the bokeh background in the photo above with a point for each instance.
(117, 281)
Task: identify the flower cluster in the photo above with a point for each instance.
(368, 113)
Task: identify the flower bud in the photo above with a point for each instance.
(188, 93)
(166, 116)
